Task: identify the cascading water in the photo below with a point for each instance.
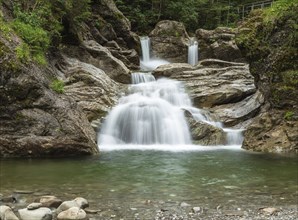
(149, 63)
(193, 52)
(153, 113)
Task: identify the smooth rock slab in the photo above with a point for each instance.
(36, 214)
(50, 201)
(72, 213)
(6, 213)
(34, 205)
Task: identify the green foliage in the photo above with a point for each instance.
(288, 115)
(36, 41)
(23, 52)
(58, 86)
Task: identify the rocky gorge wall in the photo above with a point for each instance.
(39, 119)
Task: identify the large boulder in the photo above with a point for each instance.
(91, 87)
(219, 44)
(203, 133)
(170, 41)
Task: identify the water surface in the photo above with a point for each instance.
(131, 178)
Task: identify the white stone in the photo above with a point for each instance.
(6, 213)
(74, 213)
(34, 205)
(36, 214)
(83, 203)
(196, 209)
(67, 205)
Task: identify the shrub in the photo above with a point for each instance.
(57, 85)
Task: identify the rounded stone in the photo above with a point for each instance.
(74, 213)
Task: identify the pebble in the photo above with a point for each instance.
(74, 213)
(34, 205)
(196, 209)
(184, 204)
(269, 210)
(92, 211)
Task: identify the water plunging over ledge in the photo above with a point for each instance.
(148, 62)
(193, 55)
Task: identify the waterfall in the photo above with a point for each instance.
(145, 45)
(150, 114)
(149, 63)
(139, 77)
(193, 52)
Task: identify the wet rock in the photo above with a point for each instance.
(219, 44)
(34, 205)
(169, 40)
(9, 199)
(73, 213)
(50, 201)
(36, 214)
(203, 133)
(78, 202)
(6, 213)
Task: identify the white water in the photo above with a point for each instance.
(152, 114)
(149, 63)
(193, 53)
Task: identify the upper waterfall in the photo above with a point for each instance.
(149, 63)
(193, 52)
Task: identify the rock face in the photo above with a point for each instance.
(219, 44)
(215, 83)
(273, 63)
(269, 132)
(169, 40)
(94, 91)
(35, 120)
(93, 53)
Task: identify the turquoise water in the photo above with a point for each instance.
(134, 178)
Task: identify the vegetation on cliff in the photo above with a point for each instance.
(269, 40)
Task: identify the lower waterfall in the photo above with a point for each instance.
(153, 114)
